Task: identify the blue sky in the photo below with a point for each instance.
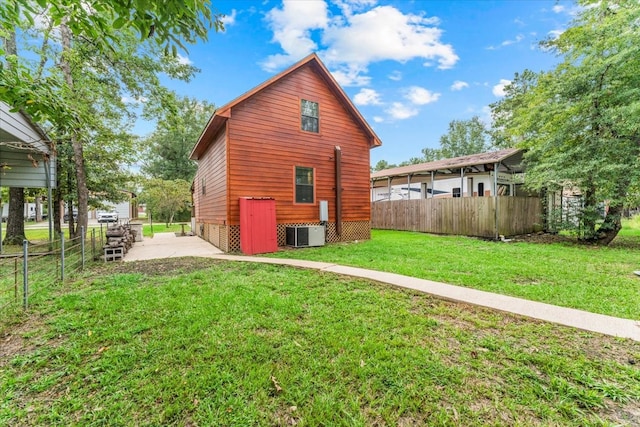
(411, 67)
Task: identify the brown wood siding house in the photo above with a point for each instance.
(299, 123)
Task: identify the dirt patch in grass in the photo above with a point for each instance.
(158, 267)
(24, 337)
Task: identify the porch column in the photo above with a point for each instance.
(409, 187)
(389, 187)
(433, 184)
(461, 182)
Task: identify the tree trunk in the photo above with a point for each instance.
(612, 224)
(589, 214)
(78, 156)
(38, 214)
(15, 220)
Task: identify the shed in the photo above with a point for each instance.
(296, 138)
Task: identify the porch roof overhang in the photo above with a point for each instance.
(27, 158)
(508, 161)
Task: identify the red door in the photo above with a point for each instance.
(258, 229)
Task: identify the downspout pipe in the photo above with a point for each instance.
(338, 171)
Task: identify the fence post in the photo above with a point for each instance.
(93, 243)
(82, 236)
(15, 279)
(25, 274)
(62, 257)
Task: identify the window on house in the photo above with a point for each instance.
(456, 192)
(309, 116)
(481, 189)
(304, 185)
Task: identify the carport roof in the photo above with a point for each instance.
(509, 160)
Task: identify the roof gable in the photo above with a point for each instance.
(222, 114)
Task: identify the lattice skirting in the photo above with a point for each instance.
(351, 230)
(216, 234)
(227, 237)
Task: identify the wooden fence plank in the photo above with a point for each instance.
(468, 216)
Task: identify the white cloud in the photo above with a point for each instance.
(396, 76)
(292, 27)
(518, 39)
(498, 90)
(459, 85)
(507, 42)
(519, 21)
(362, 34)
(130, 100)
(229, 20)
(183, 60)
(558, 8)
(554, 34)
(351, 75)
(348, 7)
(421, 96)
(399, 111)
(384, 33)
(378, 119)
(367, 97)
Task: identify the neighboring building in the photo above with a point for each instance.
(126, 210)
(296, 138)
(466, 176)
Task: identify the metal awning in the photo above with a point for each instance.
(508, 161)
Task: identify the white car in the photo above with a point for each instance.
(107, 217)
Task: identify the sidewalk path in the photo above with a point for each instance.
(166, 245)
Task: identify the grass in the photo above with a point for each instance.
(203, 342)
(148, 231)
(42, 234)
(596, 279)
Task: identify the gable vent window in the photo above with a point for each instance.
(309, 116)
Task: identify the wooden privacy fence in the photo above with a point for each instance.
(468, 216)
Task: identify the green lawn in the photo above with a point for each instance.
(203, 342)
(42, 234)
(596, 279)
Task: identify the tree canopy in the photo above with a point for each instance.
(94, 64)
(580, 121)
(169, 146)
(463, 138)
(166, 198)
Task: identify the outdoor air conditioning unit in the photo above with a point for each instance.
(303, 236)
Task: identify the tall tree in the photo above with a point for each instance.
(463, 138)
(165, 198)
(579, 121)
(15, 218)
(382, 165)
(169, 146)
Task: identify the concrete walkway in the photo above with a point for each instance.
(167, 245)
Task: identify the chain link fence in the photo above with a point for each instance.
(38, 267)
